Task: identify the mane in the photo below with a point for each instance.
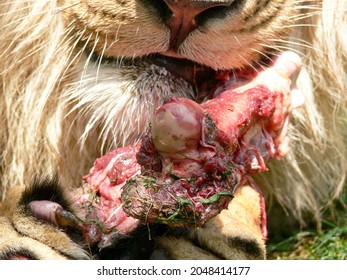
(32, 61)
(39, 61)
(313, 174)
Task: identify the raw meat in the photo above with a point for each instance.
(188, 165)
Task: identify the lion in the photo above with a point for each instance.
(77, 79)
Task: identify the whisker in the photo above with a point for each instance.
(23, 19)
(100, 57)
(90, 53)
(302, 43)
(248, 63)
(263, 54)
(283, 48)
(72, 50)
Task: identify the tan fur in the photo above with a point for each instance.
(20, 231)
(233, 234)
(15, 243)
(58, 111)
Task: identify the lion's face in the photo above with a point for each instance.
(220, 34)
(128, 46)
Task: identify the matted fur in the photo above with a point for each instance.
(59, 111)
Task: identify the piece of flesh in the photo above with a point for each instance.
(187, 167)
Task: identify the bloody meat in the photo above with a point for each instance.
(187, 167)
(196, 155)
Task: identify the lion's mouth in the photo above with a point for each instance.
(204, 79)
(190, 71)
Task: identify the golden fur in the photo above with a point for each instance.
(22, 234)
(60, 109)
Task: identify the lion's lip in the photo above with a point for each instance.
(188, 70)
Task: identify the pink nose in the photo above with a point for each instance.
(183, 18)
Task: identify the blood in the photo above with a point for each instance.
(188, 186)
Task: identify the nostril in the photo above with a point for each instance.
(182, 14)
(197, 4)
(219, 12)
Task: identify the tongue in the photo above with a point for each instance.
(187, 167)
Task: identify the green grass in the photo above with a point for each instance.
(328, 244)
